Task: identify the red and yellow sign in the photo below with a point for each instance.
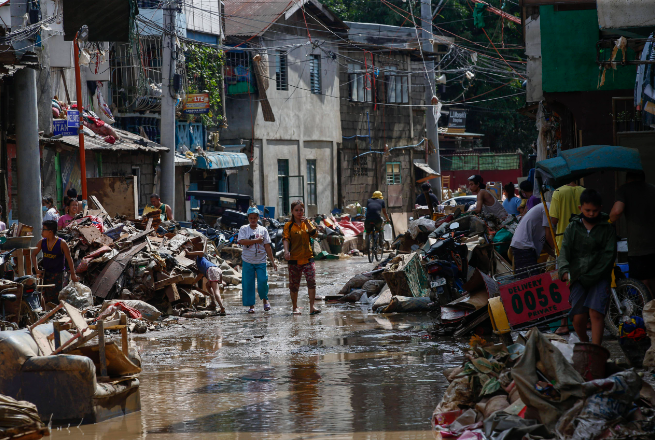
(536, 297)
(196, 103)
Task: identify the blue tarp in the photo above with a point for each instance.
(220, 159)
(579, 162)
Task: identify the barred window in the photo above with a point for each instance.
(393, 173)
(281, 73)
(315, 74)
(360, 166)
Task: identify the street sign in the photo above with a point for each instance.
(536, 297)
(60, 127)
(73, 118)
(196, 103)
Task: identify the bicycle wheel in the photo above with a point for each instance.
(379, 249)
(370, 247)
(633, 296)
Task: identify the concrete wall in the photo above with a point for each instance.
(306, 125)
(534, 91)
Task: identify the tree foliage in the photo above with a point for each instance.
(496, 116)
(204, 71)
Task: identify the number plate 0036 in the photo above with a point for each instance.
(536, 297)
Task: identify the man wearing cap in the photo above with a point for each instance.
(374, 208)
(256, 244)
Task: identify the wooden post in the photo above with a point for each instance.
(100, 327)
(57, 333)
(124, 342)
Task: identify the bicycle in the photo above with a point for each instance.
(375, 245)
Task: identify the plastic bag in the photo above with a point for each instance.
(421, 225)
(77, 294)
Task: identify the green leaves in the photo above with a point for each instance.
(204, 72)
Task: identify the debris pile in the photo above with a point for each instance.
(143, 263)
(531, 390)
(445, 265)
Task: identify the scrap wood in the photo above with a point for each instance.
(92, 235)
(168, 281)
(171, 293)
(113, 270)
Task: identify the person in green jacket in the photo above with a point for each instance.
(585, 262)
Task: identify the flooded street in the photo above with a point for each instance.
(346, 373)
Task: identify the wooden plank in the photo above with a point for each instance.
(172, 294)
(102, 354)
(168, 281)
(42, 342)
(93, 235)
(115, 193)
(76, 317)
(113, 271)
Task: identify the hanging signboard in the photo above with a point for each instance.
(73, 118)
(457, 121)
(60, 127)
(536, 297)
(196, 103)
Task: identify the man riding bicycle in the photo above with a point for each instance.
(374, 208)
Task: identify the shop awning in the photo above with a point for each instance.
(430, 173)
(214, 160)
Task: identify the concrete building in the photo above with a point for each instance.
(286, 116)
(382, 116)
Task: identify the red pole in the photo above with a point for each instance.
(78, 89)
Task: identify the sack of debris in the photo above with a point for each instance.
(77, 294)
(406, 304)
(148, 311)
(355, 282)
(373, 287)
(421, 225)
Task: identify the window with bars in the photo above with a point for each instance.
(360, 87)
(315, 74)
(397, 86)
(393, 173)
(281, 73)
(360, 166)
(311, 182)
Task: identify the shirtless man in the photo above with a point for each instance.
(486, 203)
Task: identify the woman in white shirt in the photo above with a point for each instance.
(50, 211)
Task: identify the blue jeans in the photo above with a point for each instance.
(248, 275)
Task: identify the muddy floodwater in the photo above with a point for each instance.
(346, 373)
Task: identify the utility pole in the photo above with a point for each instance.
(28, 152)
(168, 101)
(430, 91)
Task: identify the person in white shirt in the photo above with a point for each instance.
(256, 245)
(50, 212)
(531, 236)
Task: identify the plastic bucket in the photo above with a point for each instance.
(589, 360)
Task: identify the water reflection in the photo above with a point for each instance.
(346, 373)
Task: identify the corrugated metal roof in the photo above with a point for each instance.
(128, 142)
(252, 17)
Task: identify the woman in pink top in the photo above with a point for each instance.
(73, 209)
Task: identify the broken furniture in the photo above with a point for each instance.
(64, 387)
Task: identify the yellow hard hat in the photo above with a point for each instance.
(378, 195)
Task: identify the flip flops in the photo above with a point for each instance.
(267, 307)
(251, 311)
(315, 312)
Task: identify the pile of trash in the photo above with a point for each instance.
(143, 266)
(532, 390)
(444, 265)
